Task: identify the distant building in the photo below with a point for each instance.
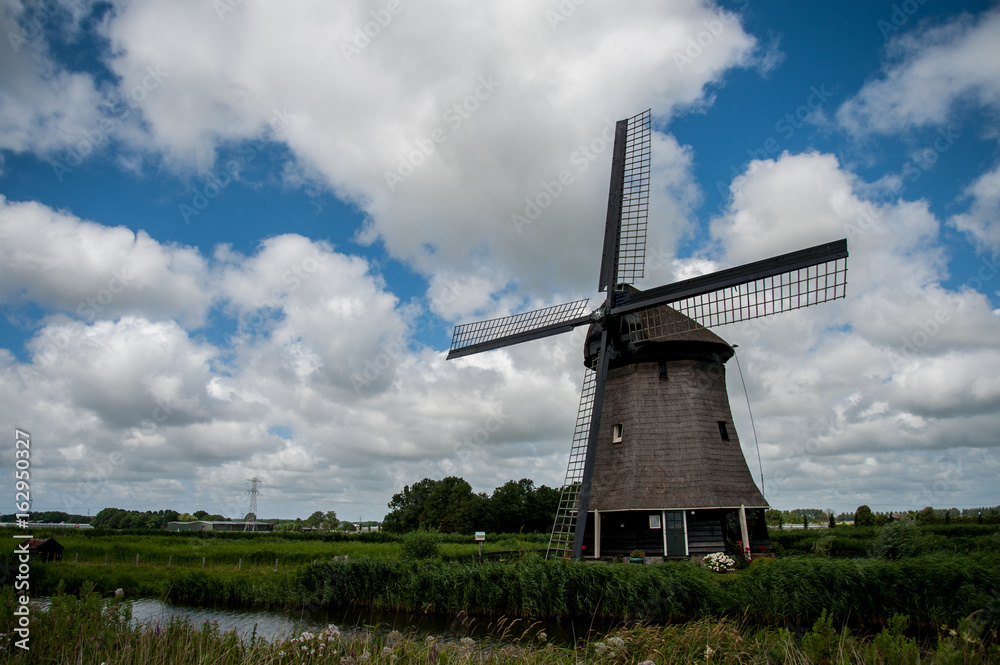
(202, 525)
(46, 549)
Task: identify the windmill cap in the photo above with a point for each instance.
(660, 332)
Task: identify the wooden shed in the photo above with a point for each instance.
(46, 549)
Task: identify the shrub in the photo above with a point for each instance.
(422, 545)
(896, 540)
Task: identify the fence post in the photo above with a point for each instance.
(105, 558)
(275, 565)
(239, 565)
(170, 561)
(203, 562)
(137, 558)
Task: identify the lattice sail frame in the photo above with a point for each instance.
(469, 334)
(635, 199)
(787, 291)
(564, 528)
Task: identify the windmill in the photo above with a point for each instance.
(655, 458)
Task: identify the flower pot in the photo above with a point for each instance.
(636, 559)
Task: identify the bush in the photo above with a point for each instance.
(421, 545)
(896, 540)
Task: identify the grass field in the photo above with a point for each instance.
(934, 583)
(259, 551)
(90, 629)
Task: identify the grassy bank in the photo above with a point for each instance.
(935, 591)
(227, 550)
(89, 629)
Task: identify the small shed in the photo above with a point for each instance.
(46, 549)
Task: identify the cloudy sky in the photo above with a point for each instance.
(235, 236)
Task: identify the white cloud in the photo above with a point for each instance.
(499, 117)
(901, 364)
(57, 260)
(931, 72)
(982, 222)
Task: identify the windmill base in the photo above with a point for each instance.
(674, 534)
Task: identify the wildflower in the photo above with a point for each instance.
(467, 643)
(542, 637)
(708, 652)
(395, 636)
(952, 632)
(616, 642)
(386, 651)
(647, 662)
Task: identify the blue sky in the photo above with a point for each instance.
(207, 273)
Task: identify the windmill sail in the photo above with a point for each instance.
(779, 284)
(470, 338)
(624, 255)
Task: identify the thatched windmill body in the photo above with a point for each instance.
(655, 462)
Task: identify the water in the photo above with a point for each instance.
(272, 624)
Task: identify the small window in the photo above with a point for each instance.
(616, 433)
(654, 521)
(723, 430)
(663, 371)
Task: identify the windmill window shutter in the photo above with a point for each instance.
(723, 430)
(616, 433)
(663, 371)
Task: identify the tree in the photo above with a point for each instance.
(927, 516)
(863, 516)
(407, 506)
(315, 519)
(450, 506)
(833, 520)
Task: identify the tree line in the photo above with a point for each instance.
(449, 505)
